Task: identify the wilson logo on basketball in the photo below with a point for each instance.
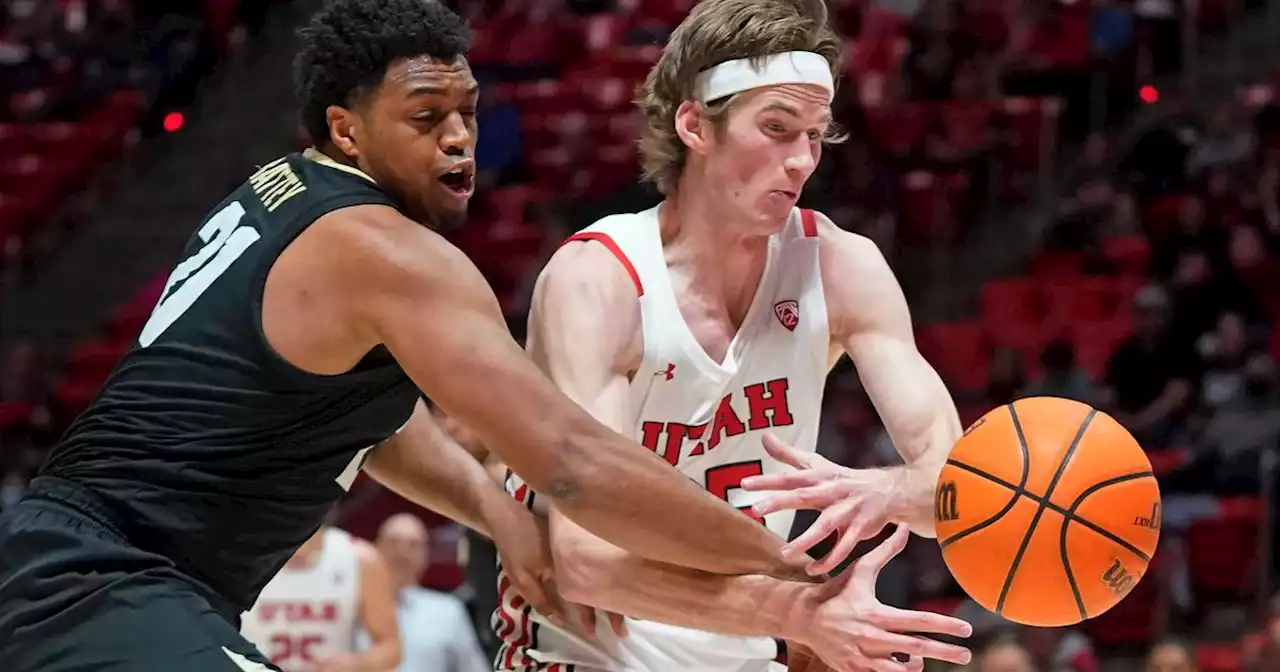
(944, 502)
(788, 313)
(1117, 578)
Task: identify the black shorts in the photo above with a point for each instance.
(75, 596)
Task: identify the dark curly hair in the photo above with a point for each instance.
(349, 44)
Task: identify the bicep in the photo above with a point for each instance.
(576, 295)
(873, 322)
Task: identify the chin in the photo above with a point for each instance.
(449, 220)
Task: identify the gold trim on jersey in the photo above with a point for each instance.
(316, 155)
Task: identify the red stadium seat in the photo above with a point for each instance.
(1066, 266)
(1085, 300)
(94, 360)
(14, 415)
(1220, 657)
(958, 350)
(1129, 254)
(1010, 301)
(1222, 552)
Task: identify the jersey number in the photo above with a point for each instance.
(726, 477)
(285, 648)
(225, 240)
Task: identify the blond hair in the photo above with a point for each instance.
(714, 32)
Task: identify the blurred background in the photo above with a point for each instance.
(1081, 198)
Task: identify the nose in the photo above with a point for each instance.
(802, 160)
(456, 136)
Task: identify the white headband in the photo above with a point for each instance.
(792, 67)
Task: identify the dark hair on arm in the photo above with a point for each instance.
(348, 45)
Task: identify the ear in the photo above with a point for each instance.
(692, 127)
(344, 129)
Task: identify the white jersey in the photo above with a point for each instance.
(707, 419)
(306, 615)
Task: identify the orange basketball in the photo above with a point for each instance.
(1047, 511)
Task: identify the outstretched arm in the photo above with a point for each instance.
(403, 286)
(871, 322)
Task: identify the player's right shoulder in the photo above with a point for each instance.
(589, 266)
(371, 245)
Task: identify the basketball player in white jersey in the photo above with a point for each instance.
(704, 324)
(308, 617)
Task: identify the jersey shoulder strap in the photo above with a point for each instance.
(634, 239)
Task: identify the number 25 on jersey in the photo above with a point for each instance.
(224, 241)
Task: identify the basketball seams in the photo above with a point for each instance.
(1013, 498)
(1068, 513)
(1048, 494)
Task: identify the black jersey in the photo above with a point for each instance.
(204, 444)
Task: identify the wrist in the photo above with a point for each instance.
(912, 502)
(785, 607)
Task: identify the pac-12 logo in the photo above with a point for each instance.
(944, 503)
(788, 313)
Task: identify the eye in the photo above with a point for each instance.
(816, 135)
(775, 128)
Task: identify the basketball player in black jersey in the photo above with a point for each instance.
(309, 313)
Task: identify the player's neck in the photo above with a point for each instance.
(697, 233)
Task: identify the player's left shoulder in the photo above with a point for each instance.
(845, 254)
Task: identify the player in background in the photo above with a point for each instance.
(714, 320)
(436, 632)
(308, 616)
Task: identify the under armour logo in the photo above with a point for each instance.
(670, 373)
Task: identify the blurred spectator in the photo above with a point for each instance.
(1170, 655)
(1151, 376)
(1061, 649)
(1226, 143)
(1162, 22)
(1225, 351)
(1061, 376)
(1008, 375)
(435, 631)
(1241, 427)
(499, 150)
(1158, 160)
(1111, 28)
(1005, 654)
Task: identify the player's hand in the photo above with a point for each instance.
(588, 617)
(854, 502)
(850, 630)
(524, 547)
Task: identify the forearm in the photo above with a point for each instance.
(925, 455)
(453, 485)
(382, 656)
(626, 495)
(616, 581)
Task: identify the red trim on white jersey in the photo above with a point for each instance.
(809, 221)
(604, 239)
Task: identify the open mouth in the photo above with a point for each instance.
(460, 181)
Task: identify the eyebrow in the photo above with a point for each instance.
(431, 90)
(787, 109)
